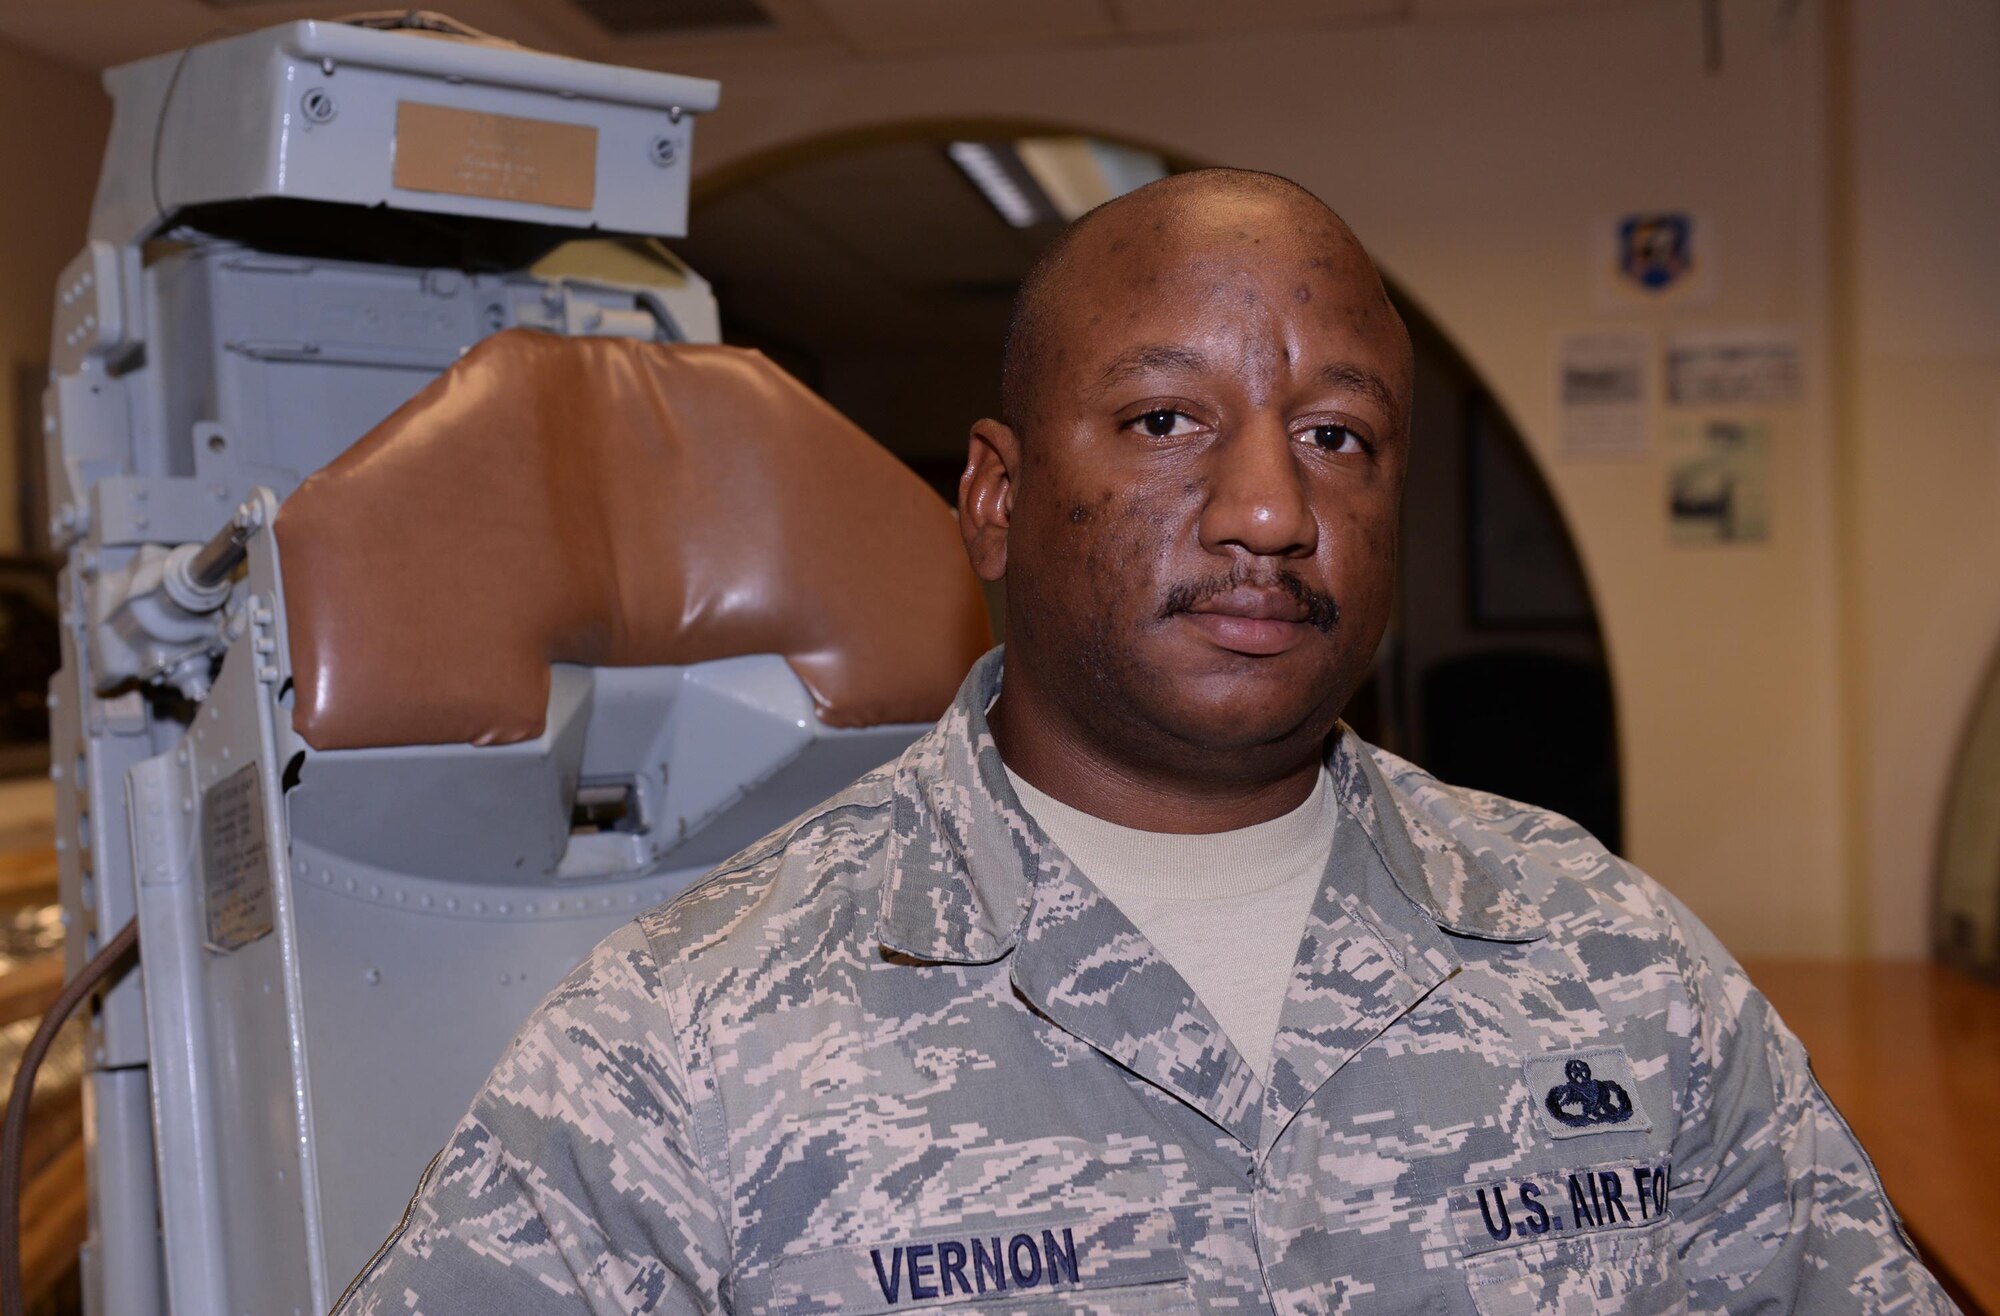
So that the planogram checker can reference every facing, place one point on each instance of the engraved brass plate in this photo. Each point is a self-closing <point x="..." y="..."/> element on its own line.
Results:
<point x="496" y="156"/>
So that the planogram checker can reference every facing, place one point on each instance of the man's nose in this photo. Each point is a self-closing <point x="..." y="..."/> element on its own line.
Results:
<point x="1257" y="495"/>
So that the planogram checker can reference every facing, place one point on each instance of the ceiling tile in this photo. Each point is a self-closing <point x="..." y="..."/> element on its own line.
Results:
<point x="1502" y="8"/>
<point x="97" y="34"/>
<point x="1168" y="16"/>
<point x="898" y="26"/>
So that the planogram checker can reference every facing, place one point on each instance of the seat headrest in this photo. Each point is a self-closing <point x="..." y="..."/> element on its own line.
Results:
<point x="613" y="503"/>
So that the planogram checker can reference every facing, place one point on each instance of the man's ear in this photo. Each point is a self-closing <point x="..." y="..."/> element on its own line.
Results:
<point x="986" y="496"/>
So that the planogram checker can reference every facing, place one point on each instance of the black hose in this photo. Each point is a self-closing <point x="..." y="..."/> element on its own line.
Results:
<point x="14" y="1132"/>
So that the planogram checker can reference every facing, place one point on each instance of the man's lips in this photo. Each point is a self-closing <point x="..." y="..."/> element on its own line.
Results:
<point x="1251" y="603"/>
<point x="1258" y="622"/>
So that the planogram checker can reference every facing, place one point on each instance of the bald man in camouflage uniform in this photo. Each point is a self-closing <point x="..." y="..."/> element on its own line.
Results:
<point x="903" y="1055"/>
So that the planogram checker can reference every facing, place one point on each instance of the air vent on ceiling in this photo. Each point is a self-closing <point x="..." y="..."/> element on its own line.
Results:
<point x="631" y="18"/>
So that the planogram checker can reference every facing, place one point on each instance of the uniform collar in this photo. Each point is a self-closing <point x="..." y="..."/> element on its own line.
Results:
<point x="965" y="859"/>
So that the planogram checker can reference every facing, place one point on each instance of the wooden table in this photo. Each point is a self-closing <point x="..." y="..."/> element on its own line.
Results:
<point x="1911" y="1054"/>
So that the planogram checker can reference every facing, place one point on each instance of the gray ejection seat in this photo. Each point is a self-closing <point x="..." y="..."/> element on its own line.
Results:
<point x="425" y="616"/>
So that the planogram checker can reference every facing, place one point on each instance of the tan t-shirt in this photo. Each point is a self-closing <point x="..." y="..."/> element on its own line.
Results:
<point x="1226" y="909"/>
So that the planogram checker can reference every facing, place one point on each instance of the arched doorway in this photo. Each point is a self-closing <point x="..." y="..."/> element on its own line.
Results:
<point x="879" y="270"/>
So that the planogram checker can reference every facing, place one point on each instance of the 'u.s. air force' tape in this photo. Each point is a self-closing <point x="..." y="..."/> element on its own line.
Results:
<point x="1560" y="1204"/>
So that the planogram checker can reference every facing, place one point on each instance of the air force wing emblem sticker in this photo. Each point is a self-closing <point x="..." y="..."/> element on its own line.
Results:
<point x="1656" y="252"/>
<point x="1589" y="1091"/>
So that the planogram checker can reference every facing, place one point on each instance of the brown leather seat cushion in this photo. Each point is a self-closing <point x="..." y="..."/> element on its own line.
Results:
<point x="615" y="503"/>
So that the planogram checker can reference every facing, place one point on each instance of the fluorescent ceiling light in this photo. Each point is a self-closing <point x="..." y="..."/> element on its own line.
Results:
<point x="1042" y="180"/>
<point x="1081" y="173"/>
<point x="981" y="163"/>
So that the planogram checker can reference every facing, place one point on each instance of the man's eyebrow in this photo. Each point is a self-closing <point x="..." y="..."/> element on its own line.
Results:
<point x="1153" y="356"/>
<point x="1365" y="382"/>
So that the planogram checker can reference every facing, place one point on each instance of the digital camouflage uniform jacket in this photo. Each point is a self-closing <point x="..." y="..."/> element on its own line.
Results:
<point x="902" y="1056"/>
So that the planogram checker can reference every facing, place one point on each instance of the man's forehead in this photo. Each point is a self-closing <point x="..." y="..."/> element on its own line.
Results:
<point x="1140" y="275"/>
<point x="1168" y="232"/>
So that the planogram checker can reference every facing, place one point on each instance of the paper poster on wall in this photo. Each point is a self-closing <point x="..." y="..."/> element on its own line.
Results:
<point x="1719" y="480"/>
<point x="1653" y="258"/>
<point x="1734" y="367"/>
<point x="1603" y="388"/>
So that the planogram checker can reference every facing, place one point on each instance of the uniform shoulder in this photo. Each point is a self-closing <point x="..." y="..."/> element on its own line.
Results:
<point x="826" y="858"/>
<point x="1550" y="861"/>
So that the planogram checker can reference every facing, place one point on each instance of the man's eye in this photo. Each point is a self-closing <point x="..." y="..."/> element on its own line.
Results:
<point x="1165" y="423"/>
<point x="1338" y="438"/>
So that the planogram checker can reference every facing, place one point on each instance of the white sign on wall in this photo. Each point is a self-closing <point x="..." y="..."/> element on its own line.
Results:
<point x="1734" y="367"/>
<point x="1604" y="390"/>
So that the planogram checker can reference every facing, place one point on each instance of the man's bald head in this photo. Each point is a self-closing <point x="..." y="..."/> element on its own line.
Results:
<point x="1143" y="219"/>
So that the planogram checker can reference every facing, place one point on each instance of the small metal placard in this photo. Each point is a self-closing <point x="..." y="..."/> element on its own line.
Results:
<point x="235" y="860"/>
<point x="497" y="156"/>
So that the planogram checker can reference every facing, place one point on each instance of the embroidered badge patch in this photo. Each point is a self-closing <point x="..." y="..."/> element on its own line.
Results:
<point x="1588" y="1091"/>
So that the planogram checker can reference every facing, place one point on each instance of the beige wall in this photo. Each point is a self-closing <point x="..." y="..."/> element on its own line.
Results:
<point x="1474" y="156"/>
<point x="52" y="126"/>
<point x="1921" y="197"/>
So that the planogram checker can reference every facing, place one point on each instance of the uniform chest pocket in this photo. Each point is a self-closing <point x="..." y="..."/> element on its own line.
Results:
<point x="1633" y="1272"/>
<point x="1590" y="1239"/>
<point x="1103" y="1265"/>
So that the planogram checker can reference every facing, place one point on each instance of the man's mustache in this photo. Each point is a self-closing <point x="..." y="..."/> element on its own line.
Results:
<point x="1321" y="609"/>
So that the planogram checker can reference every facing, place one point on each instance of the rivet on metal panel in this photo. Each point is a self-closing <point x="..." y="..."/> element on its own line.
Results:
<point x="372" y="977"/>
<point x="318" y="105"/>
<point x="664" y="151"/>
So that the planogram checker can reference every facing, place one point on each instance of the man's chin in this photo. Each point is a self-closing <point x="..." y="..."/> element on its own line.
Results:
<point x="1234" y="712"/>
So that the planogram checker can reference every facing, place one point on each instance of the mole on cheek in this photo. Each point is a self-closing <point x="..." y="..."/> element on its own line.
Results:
<point x="1302" y="294"/>
<point x="1079" y="514"/>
